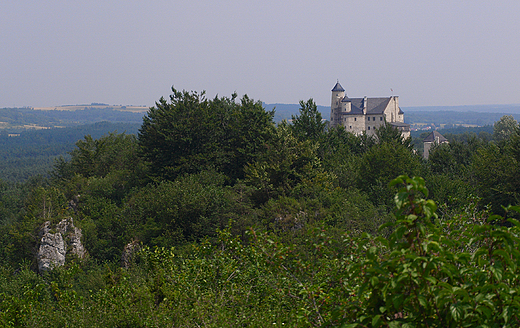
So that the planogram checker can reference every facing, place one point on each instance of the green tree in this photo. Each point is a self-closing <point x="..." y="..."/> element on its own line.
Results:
<point x="503" y="128"/>
<point x="389" y="133"/>
<point x="458" y="273"/>
<point x="497" y="175"/>
<point x="176" y="212"/>
<point x="339" y="152"/>
<point x="287" y="162"/>
<point x="190" y="134"/>
<point x="308" y="124"/>
<point x="99" y="157"/>
<point x="380" y="164"/>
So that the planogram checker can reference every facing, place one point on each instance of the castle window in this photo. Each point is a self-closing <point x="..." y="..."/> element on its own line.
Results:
<point x="368" y="118"/>
<point x="369" y="128"/>
<point x="373" y="119"/>
<point x="381" y="118"/>
<point x="355" y="119"/>
<point x="351" y="126"/>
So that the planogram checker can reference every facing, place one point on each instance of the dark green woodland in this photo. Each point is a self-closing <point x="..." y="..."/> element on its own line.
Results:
<point x="235" y="221"/>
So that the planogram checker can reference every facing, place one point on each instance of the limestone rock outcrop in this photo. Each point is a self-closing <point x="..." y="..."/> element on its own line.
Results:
<point x="129" y="252"/>
<point x="56" y="243"/>
<point x="73" y="237"/>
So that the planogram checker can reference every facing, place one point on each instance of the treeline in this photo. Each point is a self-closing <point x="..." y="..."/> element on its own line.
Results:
<point x="241" y="222"/>
<point x="34" y="152"/>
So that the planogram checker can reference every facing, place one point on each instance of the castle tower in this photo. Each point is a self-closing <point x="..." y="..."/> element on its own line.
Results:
<point x="338" y="93"/>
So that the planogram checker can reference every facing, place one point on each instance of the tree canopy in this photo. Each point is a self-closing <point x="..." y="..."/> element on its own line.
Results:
<point x="308" y="125"/>
<point x="190" y="134"/>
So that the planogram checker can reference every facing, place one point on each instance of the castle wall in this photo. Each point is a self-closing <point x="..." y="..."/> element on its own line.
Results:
<point x="392" y="111"/>
<point x="373" y="122"/>
<point x="354" y="123"/>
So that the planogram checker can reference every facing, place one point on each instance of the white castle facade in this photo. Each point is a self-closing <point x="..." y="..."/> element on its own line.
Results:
<point x="365" y="115"/>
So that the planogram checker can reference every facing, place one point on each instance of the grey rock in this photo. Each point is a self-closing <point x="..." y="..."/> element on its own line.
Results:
<point x="55" y="244"/>
<point x="52" y="252"/>
<point x="73" y="236"/>
<point x="128" y="254"/>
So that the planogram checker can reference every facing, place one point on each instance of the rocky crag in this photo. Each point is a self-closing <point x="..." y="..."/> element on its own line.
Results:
<point x="56" y="242"/>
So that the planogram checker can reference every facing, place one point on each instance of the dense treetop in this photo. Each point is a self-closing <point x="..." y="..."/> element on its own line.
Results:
<point x="192" y="134"/>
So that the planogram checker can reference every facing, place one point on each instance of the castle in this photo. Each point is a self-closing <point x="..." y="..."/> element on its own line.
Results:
<point x="365" y="115"/>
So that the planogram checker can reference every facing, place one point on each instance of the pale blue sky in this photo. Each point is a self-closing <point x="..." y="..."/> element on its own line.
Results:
<point x="442" y="52"/>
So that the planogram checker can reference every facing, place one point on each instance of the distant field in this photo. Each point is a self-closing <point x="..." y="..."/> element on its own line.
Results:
<point x="133" y="109"/>
<point x="16" y="120"/>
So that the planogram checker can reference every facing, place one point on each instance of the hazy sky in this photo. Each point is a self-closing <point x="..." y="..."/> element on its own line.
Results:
<point x="435" y="52"/>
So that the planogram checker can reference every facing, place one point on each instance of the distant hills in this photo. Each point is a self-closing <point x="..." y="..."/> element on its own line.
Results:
<point x="14" y="120"/>
<point x="509" y="109"/>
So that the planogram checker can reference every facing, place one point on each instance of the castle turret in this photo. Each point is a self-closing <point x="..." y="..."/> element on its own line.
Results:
<point x="338" y="93"/>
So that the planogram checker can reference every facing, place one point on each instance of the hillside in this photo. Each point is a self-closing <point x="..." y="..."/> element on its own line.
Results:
<point x="15" y="120"/>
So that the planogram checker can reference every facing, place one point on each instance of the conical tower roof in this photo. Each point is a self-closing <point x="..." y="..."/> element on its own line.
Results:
<point x="338" y="87"/>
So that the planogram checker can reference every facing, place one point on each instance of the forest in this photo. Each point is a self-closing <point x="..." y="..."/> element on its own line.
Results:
<point x="212" y="215"/>
<point x="33" y="152"/>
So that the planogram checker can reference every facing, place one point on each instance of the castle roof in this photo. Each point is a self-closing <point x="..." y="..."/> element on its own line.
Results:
<point x="435" y="137"/>
<point x="374" y="105"/>
<point x="338" y="87"/>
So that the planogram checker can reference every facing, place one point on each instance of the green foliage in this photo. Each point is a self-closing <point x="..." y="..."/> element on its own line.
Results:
<point x="20" y="239"/>
<point x="497" y="173"/>
<point x="380" y="164"/>
<point x="389" y="134"/>
<point x="504" y="128"/>
<point x="11" y="201"/>
<point x="33" y="152"/>
<point x="286" y="163"/>
<point x="456" y="272"/>
<point x="339" y="151"/>
<point x="453" y="193"/>
<point x="100" y="157"/>
<point x="308" y="125"/>
<point x="437" y="276"/>
<point x="185" y="210"/>
<point x="192" y="134"/>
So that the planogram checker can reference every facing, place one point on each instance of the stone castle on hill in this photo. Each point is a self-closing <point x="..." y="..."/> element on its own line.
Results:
<point x="365" y="115"/>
